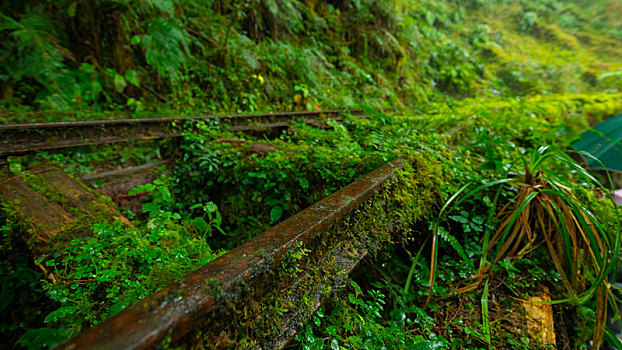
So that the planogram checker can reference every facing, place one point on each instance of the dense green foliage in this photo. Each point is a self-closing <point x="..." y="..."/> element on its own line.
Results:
<point x="76" y="57"/>
<point x="210" y="54"/>
<point x="478" y="85"/>
<point x="97" y="275"/>
<point x="487" y="148"/>
<point x="305" y="165"/>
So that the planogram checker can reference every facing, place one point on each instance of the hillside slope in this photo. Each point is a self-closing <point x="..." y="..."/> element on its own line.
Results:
<point x="74" y="59"/>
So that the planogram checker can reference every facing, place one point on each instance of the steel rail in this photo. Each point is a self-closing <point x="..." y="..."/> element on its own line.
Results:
<point x="23" y="138"/>
<point x="206" y="300"/>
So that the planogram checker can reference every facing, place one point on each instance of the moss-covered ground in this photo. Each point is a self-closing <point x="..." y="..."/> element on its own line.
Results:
<point x="474" y="86"/>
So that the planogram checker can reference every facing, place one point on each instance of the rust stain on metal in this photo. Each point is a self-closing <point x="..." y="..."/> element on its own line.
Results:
<point x="177" y="309"/>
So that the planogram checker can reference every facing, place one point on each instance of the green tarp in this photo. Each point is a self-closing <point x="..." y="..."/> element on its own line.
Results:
<point x="603" y="141"/>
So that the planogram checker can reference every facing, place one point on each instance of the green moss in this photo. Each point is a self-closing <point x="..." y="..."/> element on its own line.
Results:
<point x="215" y="286"/>
<point x="279" y="297"/>
<point x="431" y="172"/>
<point x="42" y="186"/>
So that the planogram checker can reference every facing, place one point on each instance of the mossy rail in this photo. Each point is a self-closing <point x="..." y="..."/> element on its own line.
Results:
<point x="272" y="281"/>
<point x="22" y="138"/>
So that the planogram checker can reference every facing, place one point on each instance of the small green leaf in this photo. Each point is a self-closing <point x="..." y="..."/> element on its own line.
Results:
<point x="119" y="83"/>
<point x="356" y="287"/>
<point x="210" y="207"/>
<point x="276" y="213"/>
<point x="15" y="166"/>
<point x="164" y="5"/>
<point x="87" y="68"/>
<point x="142" y="188"/>
<point x="299" y="336"/>
<point x="135" y="40"/>
<point x="304" y="183"/>
<point x="309" y="334"/>
<point x="428" y="345"/>
<point x="430" y="17"/>
<point x="132" y="77"/>
<point x="459" y="218"/>
<point x="146" y="41"/>
<point x="200" y="224"/>
<point x="166" y="193"/>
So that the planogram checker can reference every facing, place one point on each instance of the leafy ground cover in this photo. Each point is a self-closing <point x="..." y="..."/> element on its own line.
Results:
<point x="307" y="164"/>
<point x="475" y="299"/>
<point x="473" y="141"/>
<point x="478" y="85"/>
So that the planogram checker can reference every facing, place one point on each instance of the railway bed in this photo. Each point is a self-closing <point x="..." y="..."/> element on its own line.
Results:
<point x="17" y="139"/>
<point x="234" y="294"/>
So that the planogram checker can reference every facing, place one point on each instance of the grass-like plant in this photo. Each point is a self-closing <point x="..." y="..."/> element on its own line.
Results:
<point x="547" y="212"/>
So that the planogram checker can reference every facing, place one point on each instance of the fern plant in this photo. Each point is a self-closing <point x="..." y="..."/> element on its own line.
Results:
<point x="166" y="48"/>
<point x="32" y="50"/>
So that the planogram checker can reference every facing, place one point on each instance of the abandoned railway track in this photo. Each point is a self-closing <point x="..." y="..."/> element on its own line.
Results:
<point x="23" y="138"/>
<point x="263" y="291"/>
<point x="236" y="293"/>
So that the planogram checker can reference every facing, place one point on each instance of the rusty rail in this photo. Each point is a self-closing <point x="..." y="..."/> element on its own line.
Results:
<point x="21" y="138"/>
<point x="218" y="298"/>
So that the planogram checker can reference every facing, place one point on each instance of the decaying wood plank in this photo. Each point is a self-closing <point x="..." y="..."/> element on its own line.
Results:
<point x="44" y="219"/>
<point x="53" y="206"/>
<point x="540" y="322"/>
<point x="79" y="196"/>
<point x="124" y="171"/>
<point x="116" y="184"/>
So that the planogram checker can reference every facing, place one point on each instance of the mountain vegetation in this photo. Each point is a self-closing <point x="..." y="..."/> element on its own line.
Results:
<point x="70" y="59"/>
<point x="487" y="94"/>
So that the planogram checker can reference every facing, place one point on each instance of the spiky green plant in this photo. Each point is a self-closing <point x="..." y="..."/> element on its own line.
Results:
<point x="546" y="211"/>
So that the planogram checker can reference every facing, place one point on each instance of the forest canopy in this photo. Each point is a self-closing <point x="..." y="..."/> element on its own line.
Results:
<point x="228" y="56"/>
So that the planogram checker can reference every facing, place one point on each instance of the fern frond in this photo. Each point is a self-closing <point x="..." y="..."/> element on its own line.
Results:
<point x="166" y="45"/>
<point x="34" y="50"/>
<point x="453" y="242"/>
